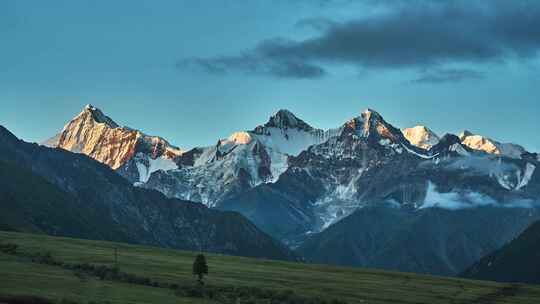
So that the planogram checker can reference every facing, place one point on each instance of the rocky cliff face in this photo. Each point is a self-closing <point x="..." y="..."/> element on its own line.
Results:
<point x="98" y="136"/>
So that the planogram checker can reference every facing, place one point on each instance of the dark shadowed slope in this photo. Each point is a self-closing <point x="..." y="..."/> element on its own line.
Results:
<point x="517" y="261"/>
<point x="430" y="240"/>
<point x="30" y="203"/>
<point x="62" y="193"/>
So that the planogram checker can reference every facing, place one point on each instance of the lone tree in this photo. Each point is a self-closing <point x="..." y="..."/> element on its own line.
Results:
<point x="200" y="268"/>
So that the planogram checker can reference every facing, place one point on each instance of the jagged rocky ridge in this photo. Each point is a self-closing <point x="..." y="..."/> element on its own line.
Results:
<point x="371" y="161"/>
<point x="98" y="136"/>
<point x="236" y="164"/>
<point x="61" y="193"/>
<point x="223" y="174"/>
<point x="204" y="174"/>
<point x="240" y="162"/>
<point x="361" y="197"/>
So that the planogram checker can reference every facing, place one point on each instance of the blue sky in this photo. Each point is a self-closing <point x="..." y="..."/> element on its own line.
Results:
<point x="196" y="71"/>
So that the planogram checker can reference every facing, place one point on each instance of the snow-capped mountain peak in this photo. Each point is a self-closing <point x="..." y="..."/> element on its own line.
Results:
<point x="374" y="124"/>
<point x="360" y="125"/>
<point x="372" y="130"/>
<point x="240" y="138"/>
<point x="286" y="133"/>
<point x="97" y="116"/>
<point x="368" y="113"/>
<point x="285" y="119"/>
<point x="371" y="125"/>
<point x="240" y="162"/>
<point x="488" y="145"/>
<point x="421" y="137"/>
<point x="132" y="152"/>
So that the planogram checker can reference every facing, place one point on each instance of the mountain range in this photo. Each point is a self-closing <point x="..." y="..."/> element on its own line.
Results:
<point x="365" y="193"/>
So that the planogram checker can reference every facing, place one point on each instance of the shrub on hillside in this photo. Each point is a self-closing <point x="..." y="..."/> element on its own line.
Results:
<point x="45" y="258"/>
<point x="248" y="295"/>
<point x="24" y="300"/>
<point x="8" y="248"/>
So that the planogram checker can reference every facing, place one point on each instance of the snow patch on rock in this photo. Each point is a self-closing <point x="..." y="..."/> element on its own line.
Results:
<point x="418" y="154"/>
<point x="459" y="149"/>
<point x="147" y="165"/>
<point x="529" y="171"/>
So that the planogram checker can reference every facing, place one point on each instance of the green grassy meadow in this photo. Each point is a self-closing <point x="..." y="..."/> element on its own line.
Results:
<point x="354" y="285"/>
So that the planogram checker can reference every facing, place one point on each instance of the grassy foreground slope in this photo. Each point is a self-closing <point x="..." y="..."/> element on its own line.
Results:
<point x="164" y="265"/>
<point x="20" y="278"/>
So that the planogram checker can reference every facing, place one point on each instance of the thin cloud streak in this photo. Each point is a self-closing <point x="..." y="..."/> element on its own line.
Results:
<point x="436" y="76"/>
